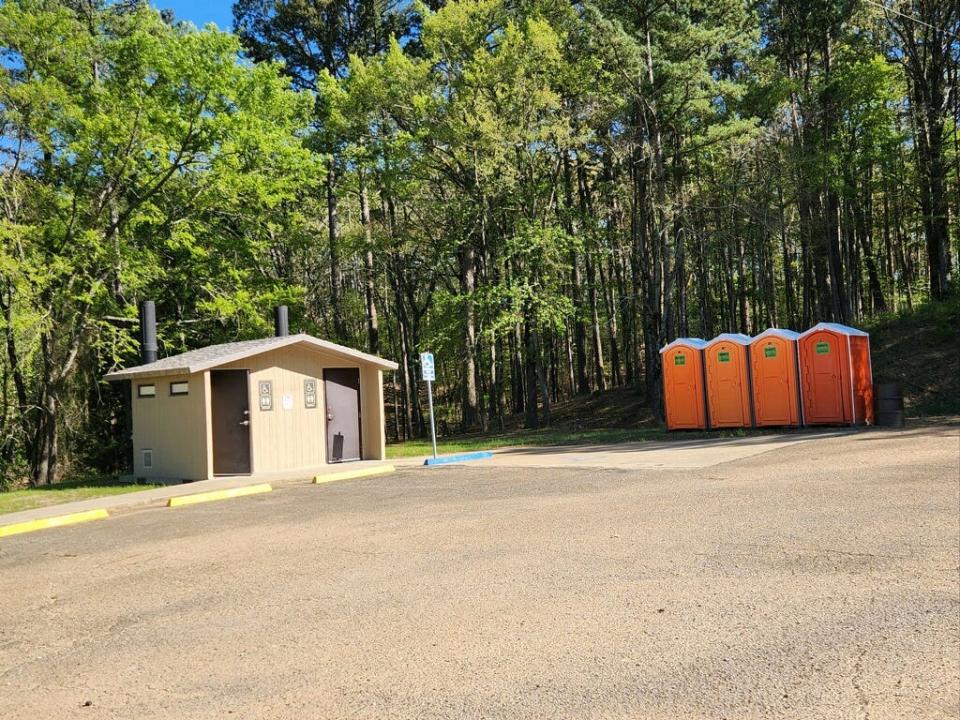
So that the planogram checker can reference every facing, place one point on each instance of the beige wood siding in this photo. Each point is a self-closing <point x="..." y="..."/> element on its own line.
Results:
<point x="295" y="438"/>
<point x="174" y="428"/>
<point x="372" y="417"/>
<point x="178" y="429"/>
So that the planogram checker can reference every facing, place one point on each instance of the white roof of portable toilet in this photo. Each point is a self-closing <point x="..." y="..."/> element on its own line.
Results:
<point x="695" y="342"/>
<point x="777" y="332"/>
<point x="738" y="338"/>
<point x="837" y="328"/>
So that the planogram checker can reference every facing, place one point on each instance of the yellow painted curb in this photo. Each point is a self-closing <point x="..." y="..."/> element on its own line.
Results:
<point x="71" y="519"/>
<point x="218" y="495"/>
<point x="351" y="474"/>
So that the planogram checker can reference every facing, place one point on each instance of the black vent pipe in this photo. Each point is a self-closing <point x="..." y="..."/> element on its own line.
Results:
<point x="281" y="322"/>
<point x="148" y="332"/>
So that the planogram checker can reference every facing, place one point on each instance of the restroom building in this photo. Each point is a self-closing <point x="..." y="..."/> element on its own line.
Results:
<point x="286" y="405"/>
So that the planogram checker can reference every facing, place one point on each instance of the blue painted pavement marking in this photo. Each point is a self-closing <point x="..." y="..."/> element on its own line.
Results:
<point x="462" y="457"/>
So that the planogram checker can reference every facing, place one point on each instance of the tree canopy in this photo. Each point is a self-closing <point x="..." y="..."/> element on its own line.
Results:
<point x="541" y="192"/>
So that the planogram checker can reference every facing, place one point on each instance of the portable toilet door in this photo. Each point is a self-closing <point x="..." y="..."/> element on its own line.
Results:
<point x="836" y="378"/>
<point x="775" y="378"/>
<point x="727" y="361"/>
<point x="682" y="362"/>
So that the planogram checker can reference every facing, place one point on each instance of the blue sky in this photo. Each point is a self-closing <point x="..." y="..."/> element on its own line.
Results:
<point x="200" y="12"/>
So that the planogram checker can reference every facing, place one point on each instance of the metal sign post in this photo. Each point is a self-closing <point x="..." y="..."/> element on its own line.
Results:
<point x="429" y="374"/>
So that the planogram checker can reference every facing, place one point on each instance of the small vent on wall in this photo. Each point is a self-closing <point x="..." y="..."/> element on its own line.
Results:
<point x="147" y="458"/>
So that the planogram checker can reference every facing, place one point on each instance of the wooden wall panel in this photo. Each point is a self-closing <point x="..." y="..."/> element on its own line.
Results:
<point x="178" y="428"/>
<point x="372" y="415"/>
<point x="173" y="427"/>
<point x="295" y="437"/>
<point x="285" y="438"/>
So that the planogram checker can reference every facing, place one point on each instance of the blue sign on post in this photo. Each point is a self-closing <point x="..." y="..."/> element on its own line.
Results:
<point x="427" y="367"/>
<point x="428" y="370"/>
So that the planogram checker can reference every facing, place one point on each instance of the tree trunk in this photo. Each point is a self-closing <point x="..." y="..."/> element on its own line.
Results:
<point x="839" y="300"/>
<point x="373" y="324"/>
<point x="517" y="389"/>
<point x="47" y="457"/>
<point x="553" y="372"/>
<point x="610" y="305"/>
<point x="406" y="380"/>
<point x="468" y="270"/>
<point x="571" y="375"/>
<point x="336" y="273"/>
<point x="741" y="284"/>
<point x="864" y="228"/>
<point x="542" y="376"/>
<point x="532" y="419"/>
<point x="928" y="48"/>
<point x="933" y="201"/>
<point x="601" y="383"/>
<point x="579" y="327"/>
<point x="788" y="280"/>
<point x="496" y="381"/>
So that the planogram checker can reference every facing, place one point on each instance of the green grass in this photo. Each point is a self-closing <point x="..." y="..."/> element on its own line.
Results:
<point x="30" y="498"/>
<point x="542" y="438"/>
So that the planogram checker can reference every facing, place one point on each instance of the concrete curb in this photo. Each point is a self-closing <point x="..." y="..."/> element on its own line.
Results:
<point x="218" y="495"/>
<point x="57" y="521"/>
<point x="351" y="474"/>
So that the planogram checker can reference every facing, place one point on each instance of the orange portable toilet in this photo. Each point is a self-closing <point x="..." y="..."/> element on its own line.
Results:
<point x="836" y="379"/>
<point x="775" y="378"/>
<point x="727" y="362"/>
<point x="682" y="362"/>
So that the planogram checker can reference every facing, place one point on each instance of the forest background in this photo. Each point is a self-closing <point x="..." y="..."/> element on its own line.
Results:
<point x="541" y="192"/>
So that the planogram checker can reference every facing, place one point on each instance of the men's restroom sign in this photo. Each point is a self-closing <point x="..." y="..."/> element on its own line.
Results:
<point x="427" y="367"/>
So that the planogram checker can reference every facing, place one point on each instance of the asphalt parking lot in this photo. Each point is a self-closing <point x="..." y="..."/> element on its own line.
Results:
<point x="813" y="579"/>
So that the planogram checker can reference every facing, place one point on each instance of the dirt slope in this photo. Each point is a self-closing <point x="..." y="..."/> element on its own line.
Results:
<point x="921" y="351"/>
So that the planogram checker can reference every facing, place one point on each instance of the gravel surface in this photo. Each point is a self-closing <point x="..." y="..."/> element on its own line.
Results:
<point x="819" y="579"/>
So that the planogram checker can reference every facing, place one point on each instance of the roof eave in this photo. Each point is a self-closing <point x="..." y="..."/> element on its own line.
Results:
<point x="132" y="373"/>
<point x="145" y="371"/>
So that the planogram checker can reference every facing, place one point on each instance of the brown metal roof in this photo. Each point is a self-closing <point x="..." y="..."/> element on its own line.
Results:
<point x="216" y="355"/>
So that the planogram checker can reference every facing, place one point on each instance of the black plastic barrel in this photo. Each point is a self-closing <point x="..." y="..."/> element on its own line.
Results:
<point x="889" y="399"/>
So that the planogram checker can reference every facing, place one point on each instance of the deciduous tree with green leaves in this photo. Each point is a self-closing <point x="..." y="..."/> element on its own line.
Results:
<point x="138" y="156"/>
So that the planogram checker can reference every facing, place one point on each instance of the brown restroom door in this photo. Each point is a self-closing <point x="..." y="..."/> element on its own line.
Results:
<point x="341" y="388"/>
<point x="230" y="406"/>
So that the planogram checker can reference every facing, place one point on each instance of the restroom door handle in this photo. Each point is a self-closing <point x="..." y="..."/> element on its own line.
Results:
<point x="244" y="422"/>
<point x="329" y="416"/>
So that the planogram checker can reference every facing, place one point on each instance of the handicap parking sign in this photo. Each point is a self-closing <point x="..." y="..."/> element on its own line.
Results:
<point x="427" y="367"/>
